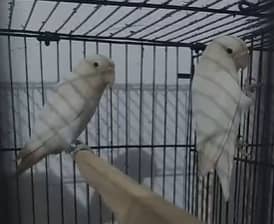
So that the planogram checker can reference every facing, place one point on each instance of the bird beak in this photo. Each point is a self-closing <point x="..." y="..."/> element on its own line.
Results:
<point x="242" y="59"/>
<point x="110" y="75"/>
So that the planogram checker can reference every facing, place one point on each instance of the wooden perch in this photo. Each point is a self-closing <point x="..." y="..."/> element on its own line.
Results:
<point x="131" y="203"/>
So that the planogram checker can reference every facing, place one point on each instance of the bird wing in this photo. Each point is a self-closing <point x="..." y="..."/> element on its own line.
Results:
<point x="69" y="101"/>
<point x="215" y="100"/>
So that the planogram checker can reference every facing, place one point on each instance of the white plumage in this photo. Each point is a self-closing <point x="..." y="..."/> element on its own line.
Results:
<point x="68" y="110"/>
<point x="217" y="103"/>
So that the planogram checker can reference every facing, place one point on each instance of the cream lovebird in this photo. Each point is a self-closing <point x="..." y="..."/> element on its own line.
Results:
<point x="68" y="110"/>
<point x="217" y="103"/>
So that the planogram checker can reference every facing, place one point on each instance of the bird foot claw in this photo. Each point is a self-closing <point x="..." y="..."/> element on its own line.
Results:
<point x="242" y="147"/>
<point x="251" y="87"/>
<point x="73" y="146"/>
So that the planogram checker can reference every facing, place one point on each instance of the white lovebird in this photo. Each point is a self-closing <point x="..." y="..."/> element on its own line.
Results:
<point x="217" y="101"/>
<point x="68" y="110"/>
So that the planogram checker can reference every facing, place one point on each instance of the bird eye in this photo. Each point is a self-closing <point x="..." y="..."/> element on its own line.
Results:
<point x="95" y="64"/>
<point x="229" y="50"/>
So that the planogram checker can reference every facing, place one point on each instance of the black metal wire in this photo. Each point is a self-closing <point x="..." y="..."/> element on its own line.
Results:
<point x="266" y="30"/>
<point x="161" y="19"/>
<point x="74" y="11"/>
<point x="190" y="24"/>
<point x="196" y="211"/>
<point x="180" y="19"/>
<point x="255" y="134"/>
<point x="188" y="151"/>
<point x="127" y="106"/>
<point x="73" y="162"/>
<point x="117" y="117"/>
<point x="207" y="217"/>
<point x="165" y="6"/>
<point x="117" y="21"/>
<point x="226" y="212"/>
<point x="213" y="202"/>
<point x="60" y="155"/>
<point x="43" y="103"/>
<point x="208" y="30"/>
<point x="247" y="119"/>
<point x="111" y="123"/>
<point x="108" y="16"/>
<point x="153" y="117"/>
<point x="11" y="87"/>
<point x="165" y="122"/>
<point x="176" y="129"/>
<point x="30" y="14"/>
<point x="237" y="175"/>
<point x="49" y="16"/>
<point x="186" y="160"/>
<point x="138" y="20"/>
<point x="140" y="115"/>
<point x="120" y="146"/>
<point x="99" y="144"/>
<point x="85" y="20"/>
<point x="202" y="198"/>
<point x="118" y="40"/>
<point x="211" y="23"/>
<point x="111" y="111"/>
<point x="265" y="155"/>
<point x="11" y="11"/>
<point x="87" y="142"/>
<point x="192" y="153"/>
<point x="27" y="84"/>
<point x="231" y="31"/>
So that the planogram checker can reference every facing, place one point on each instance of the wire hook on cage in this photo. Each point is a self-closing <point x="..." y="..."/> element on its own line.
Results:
<point x="246" y="6"/>
<point x="197" y="47"/>
<point x="48" y="37"/>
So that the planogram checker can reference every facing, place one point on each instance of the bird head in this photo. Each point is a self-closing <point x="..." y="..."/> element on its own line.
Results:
<point x="234" y="48"/>
<point x="98" y="66"/>
<point x="103" y="66"/>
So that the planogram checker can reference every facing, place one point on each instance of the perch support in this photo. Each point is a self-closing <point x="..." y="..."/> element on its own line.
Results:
<point x="131" y="203"/>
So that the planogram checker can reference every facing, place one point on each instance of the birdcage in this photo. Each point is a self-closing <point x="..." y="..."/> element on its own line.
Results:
<point x="143" y="124"/>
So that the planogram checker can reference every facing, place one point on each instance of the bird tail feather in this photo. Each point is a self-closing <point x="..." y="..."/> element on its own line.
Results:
<point x="28" y="158"/>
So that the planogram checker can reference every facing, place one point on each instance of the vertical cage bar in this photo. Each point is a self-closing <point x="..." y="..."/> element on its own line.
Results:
<point x="99" y="143"/>
<point x="207" y="205"/>
<point x="43" y="103"/>
<point x="186" y="160"/>
<point x="176" y="128"/>
<point x="141" y="116"/>
<point x="199" y="181"/>
<point x="165" y="125"/>
<point x="28" y="96"/>
<point x="191" y="152"/>
<point x="189" y="141"/>
<point x="265" y="154"/>
<point x="14" y="125"/>
<point x="213" y="202"/>
<point x="60" y="155"/>
<point x="111" y="122"/>
<point x="27" y="85"/>
<point x="153" y="117"/>
<point x="256" y="133"/>
<point x="111" y="110"/>
<point x="248" y="119"/>
<point x="220" y="204"/>
<point x="196" y="212"/>
<point x="73" y="162"/>
<point x="87" y="142"/>
<point x="127" y="105"/>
